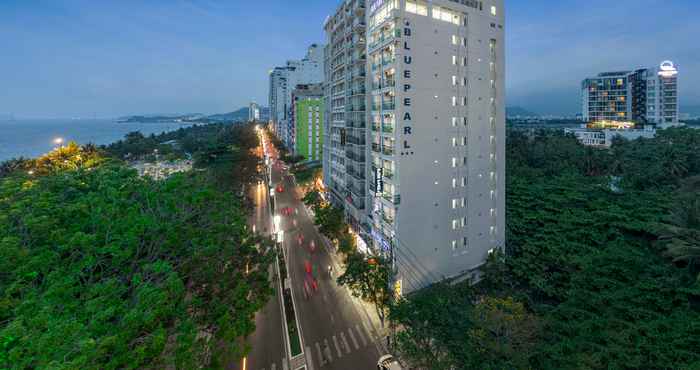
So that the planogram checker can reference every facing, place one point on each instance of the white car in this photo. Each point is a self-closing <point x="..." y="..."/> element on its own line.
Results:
<point x="387" y="362"/>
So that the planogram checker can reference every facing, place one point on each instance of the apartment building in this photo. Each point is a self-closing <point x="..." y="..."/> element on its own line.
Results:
<point x="307" y="115"/>
<point x="430" y="146"/>
<point x="277" y="93"/>
<point x="253" y="112"/>
<point x="345" y="157"/>
<point x="647" y="96"/>
<point x="283" y="80"/>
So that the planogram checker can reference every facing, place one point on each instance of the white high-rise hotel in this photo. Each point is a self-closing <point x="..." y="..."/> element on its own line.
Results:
<point x="436" y="153"/>
<point x="283" y="81"/>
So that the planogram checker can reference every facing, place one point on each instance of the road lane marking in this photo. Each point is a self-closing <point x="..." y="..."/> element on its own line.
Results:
<point x="286" y="367"/>
<point x="274" y="367"/>
<point x="354" y="341"/>
<point x="337" y="347"/>
<point x="345" y="342"/>
<point x="320" y="355"/>
<point x="362" y="335"/>
<point x="327" y="350"/>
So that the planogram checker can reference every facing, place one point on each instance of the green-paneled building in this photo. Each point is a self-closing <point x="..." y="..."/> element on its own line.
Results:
<point x="308" y="121"/>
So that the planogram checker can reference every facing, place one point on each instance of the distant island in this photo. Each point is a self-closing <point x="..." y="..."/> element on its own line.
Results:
<point x="237" y="116"/>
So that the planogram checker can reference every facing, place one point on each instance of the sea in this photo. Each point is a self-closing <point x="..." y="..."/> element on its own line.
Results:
<point x="34" y="137"/>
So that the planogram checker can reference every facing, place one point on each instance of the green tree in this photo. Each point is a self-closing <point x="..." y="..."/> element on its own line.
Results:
<point x="313" y="199"/>
<point x="102" y="269"/>
<point x="681" y="231"/>
<point x="330" y="221"/>
<point x="368" y="278"/>
<point x="504" y="334"/>
<point x="434" y="326"/>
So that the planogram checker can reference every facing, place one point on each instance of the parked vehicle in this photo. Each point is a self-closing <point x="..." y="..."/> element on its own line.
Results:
<point x="388" y="362"/>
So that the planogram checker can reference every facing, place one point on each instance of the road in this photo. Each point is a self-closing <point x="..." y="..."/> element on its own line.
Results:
<point x="267" y="342"/>
<point x="334" y="333"/>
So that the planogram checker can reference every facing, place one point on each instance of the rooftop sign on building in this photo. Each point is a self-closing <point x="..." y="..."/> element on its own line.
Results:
<point x="667" y="69"/>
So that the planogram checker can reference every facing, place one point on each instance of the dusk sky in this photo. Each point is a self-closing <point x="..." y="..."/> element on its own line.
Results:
<point x="63" y="58"/>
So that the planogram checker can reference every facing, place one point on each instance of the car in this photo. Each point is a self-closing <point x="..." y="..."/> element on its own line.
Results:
<point x="388" y="362"/>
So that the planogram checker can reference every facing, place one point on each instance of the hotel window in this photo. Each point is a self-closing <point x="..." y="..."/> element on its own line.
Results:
<point x="454" y="60"/>
<point x="454" y="121"/>
<point x="454" y="141"/>
<point x="464" y="182"/>
<point x="494" y="11"/>
<point x="464" y="222"/>
<point x="455" y="40"/>
<point x="455" y="224"/>
<point x="417" y="7"/>
<point x="454" y="80"/>
<point x="464" y="242"/>
<point x="455" y="203"/>
<point x="454" y="101"/>
<point x="464" y="61"/>
<point x="454" y="162"/>
<point x="452" y="17"/>
<point x="454" y="183"/>
<point x="454" y="245"/>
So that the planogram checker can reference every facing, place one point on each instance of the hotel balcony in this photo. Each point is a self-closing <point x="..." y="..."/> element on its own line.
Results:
<point x="356" y="174"/>
<point x="384" y="38"/>
<point x="356" y="108"/>
<point x="389" y="220"/>
<point x="356" y="157"/>
<point x="357" y="191"/>
<point x="356" y="140"/>
<point x="358" y="123"/>
<point x="356" y="91"/>
<point x="383" y="84"/>
<point x="391" y="198"/>
<point x="357" y="202"/>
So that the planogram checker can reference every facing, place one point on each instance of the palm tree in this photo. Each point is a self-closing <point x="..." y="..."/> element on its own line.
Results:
<point x="682" y="237"/>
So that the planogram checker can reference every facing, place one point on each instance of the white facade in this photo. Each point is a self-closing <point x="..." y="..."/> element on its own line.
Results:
<point x="278" y="92"/>
<point x="345" y="157"/>
<point x="253" y="112"/>
<point x="414" y="146"/>
<point x="283" y="80"/>
<point x="437" y="139"/>
<point x="604" y="137"/>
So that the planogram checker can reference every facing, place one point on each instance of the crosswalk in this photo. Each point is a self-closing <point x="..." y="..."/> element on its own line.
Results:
<point x="328" y="350"/>
<point x="341" y="344"/>
<point x="284" y="366"/>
